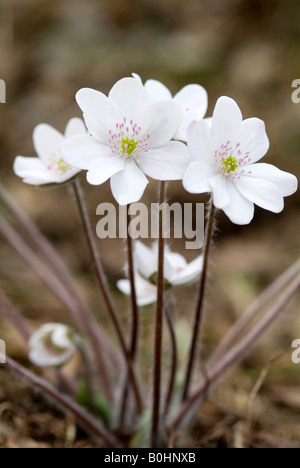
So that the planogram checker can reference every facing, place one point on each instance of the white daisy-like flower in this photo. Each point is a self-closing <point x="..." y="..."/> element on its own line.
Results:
<point x="146" y="292"/>
<point x="130" y="139"/>
<point x="49" y="167"/>
<point x="177" y="272"/>
<point x="51" y="345"/>
<point x="192" y="99"/>
<point x="225" y="154"/>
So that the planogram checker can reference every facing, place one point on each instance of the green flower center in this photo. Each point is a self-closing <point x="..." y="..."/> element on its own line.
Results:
<point x="129" y="145"/>
<point x="63" y="166"/>
<point x="229" y="164"/>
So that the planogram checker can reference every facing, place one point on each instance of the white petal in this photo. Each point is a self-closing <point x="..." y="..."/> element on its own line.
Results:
<point x="67" y="175"/>
<point x="103" y="169"/>
<point x="98" y="130"/>
<point x="33" y="170"/>
<point x="124" y="287"/>
<point x="219" y="185"/>
<point x="176" y="260"/>
<point x="240" y="210"/>
<point x="60" y="338"/>
<point x="188" y="118"/>
<point x="253" y="139"/>
<point x="95" y="104"/>
<point x="287" y="183"/>
<point x="47" y="141"/>
<point x="190" y="273"/>
<point x="174" y="263"/>
<point x="145" y="291"/>
<point x="128" y="186"/>
<point x="129" y="98"/>
<point x="166" y="163"/>
<point x="227" y="121"/>
<point x="44" y="358"/>
<point x="157" y="91"/>
<point x="137" y="77"/>
<point x="193" y="98"/>
<point x="261" y="192"/>
<point x="75" y="127"/>
<point x="81" y="151"/>
<point x="161" y="121"/>
<point x="199" y="142"/>
<point x="196" y="178"/>
<point x="146" y="263"/>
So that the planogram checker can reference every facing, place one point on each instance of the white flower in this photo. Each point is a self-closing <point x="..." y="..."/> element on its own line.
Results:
<point x="192" y="99"/>
<point x="49" y="167"/>
<point x="176" y="269"/>
<point x="51" y="345"/>
<point x="146" y="292"/>
<point x="225" y="153"/>
<point x="177" y="272"/>
<point x="130" y="137"/>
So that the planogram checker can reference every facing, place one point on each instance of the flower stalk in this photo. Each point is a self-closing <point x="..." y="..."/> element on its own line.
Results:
<point x="156" y="407"/>
<point x="53" y="283"/>
<point x="198" y="319"/>
<point x="173" y="358"/>
<point x="102" y="283"/>
<point x="134" y="319"/>
<point x="82" y="314"/>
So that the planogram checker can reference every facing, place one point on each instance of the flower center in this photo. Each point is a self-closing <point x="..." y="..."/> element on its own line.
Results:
<point x="58" y="165"/>
<point x="129" y="146"/>
<point x="230" y="164"/>
<point x="127" y="141"/>
<point x="230" y="161"/>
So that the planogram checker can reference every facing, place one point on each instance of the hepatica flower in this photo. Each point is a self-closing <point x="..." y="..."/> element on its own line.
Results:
<point x="49" y="167"/>
<point x="177" y="272"/>
<point x="51" y="345"/>
<point x="192" y="99"/>
<point x="225" y="154"/>
<point x="146" y="292"/>
<point x="130" y="139"/>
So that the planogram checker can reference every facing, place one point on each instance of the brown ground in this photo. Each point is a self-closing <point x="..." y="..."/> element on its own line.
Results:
<point x="248" y="50"/>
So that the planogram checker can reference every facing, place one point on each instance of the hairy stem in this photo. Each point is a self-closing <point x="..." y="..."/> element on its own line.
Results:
<point x="54" y="285"/>
<point x="42" y="245"/>
<point x="101" y="279"/>
<point x="198" y="319"/>
<point x="174" y="360"/>
<point x="134" y="320"/>
<point x="155" y="428"/>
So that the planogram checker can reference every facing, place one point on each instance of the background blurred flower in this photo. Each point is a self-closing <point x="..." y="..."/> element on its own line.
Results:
<point x="51" y="345"/>
<point x="146" y="292"/>
<point x="192" y="99"/>
<point x="177" y="272"/>
<point x="49" y="167"/>
<point x="225" y="152"/>
<point x="130" y="138"/>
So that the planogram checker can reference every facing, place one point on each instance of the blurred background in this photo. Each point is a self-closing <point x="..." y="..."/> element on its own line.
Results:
<point x="248" y="50"/>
